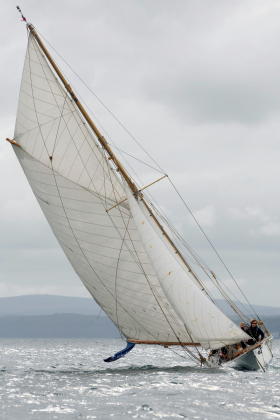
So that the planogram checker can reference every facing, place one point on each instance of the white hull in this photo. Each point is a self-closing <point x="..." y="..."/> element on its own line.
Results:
<point x="258" y="358"/>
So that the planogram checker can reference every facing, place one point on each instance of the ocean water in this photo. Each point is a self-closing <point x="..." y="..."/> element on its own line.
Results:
<point x="67" y="379"/>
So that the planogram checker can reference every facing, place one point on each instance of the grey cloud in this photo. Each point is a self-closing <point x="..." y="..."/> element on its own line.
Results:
<point x="214" y="101"/>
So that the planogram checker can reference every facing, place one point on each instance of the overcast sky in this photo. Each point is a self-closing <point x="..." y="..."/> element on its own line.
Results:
<point x="197" y="83"/>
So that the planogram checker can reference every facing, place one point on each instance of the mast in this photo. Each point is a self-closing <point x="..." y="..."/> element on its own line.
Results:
<point x="136" y="192"/>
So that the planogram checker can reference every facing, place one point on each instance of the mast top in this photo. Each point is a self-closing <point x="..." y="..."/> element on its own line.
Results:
<point x="23" y="18"/>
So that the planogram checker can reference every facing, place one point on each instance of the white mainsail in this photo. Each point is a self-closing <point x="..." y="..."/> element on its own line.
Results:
<point x="203" y="319"/>
<point x="74" y="188"/>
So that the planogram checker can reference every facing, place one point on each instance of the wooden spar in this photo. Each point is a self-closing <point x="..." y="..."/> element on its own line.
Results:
<point x="104" y="144"/>
<point x="139" y="191"/>
<point x="153" y="183"/>
<point x="117" y="204"/>
<point x="162" y="343"/>
<point x="13" y="142"/>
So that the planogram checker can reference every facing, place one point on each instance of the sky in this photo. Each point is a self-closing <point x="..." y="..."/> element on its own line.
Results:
<point x="197" y="84"/>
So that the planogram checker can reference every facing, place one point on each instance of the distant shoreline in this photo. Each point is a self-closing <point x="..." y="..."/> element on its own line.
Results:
<point x="75" y="326"/>
<point x="57" y="326"/>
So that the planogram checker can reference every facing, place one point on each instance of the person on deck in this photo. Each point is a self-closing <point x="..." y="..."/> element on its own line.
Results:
<point x="255" y="332"/>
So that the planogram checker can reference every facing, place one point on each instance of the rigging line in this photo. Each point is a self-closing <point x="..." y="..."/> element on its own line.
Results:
<point x="102" y="104"/>
<point x="212" y="246"/>
<point x="122" y="151"/>
<point x="180" y="355"/>
<point x="174" y="232"/>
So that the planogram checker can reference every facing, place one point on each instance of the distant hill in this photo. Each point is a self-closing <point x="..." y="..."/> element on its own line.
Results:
<point x="53" y="304"/>
<point x="75" y="326"/>
<point x="50" y="316"/>
<point x="57" y="326"/>
<point x="47" y="305"/>
<point x="259" y="309"/>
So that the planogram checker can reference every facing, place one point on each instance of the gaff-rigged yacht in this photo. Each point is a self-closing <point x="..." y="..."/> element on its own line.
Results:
<point x="128" y="255"/>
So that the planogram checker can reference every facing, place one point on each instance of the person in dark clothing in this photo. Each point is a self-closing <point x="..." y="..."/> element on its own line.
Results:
<point x="223" y="355"/>
<point x="255" y="332"/>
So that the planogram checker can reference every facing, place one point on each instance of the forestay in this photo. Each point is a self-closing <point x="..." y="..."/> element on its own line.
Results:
<point x="203" y="318"/>
<point x="74" y="188"/>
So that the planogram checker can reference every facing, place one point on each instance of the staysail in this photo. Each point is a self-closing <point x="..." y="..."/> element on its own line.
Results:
<point x="203" y="319"/>
<point x="75" y="184"/>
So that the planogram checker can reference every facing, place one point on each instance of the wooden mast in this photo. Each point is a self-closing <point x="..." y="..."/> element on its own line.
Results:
<point x="105" y="145"/>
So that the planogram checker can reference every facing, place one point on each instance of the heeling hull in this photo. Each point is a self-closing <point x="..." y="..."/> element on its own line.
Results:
<point x="110" y="268"/>
<point x="259" y="358"/>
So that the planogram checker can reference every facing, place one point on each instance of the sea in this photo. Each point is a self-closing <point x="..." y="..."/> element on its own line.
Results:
<point x="68" y="379"/>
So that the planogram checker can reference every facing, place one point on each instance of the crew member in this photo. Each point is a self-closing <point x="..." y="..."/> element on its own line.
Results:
<point x="255" y="332"/>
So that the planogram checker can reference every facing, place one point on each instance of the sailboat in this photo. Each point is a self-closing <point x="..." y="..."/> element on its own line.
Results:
<point x="126" y="253"/>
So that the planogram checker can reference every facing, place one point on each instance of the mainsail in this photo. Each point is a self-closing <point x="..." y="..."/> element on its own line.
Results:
<point x="115" y="247"/>
<point x="75" y="184"/>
